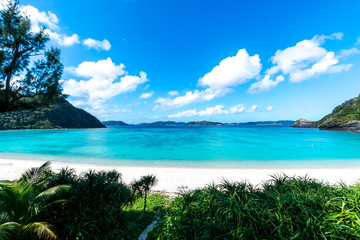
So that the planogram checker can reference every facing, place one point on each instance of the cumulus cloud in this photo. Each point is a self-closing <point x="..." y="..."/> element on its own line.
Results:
<point x="307" y="59"/>
<point x="237" y="109"/>
<point x="266" y="84"/>
<point x="105" y="80"/>
<point x="146" y="95"/>
<point x="232" y="71"/>
<point x="188" y="98"/>
<point x="62" y="39"/>
<point x="326" y="65"/>
<point x="100" y="69"/>
<point x="38" y="18"/>
<point x="50" y="21"/>
<point x="98" y="45"/>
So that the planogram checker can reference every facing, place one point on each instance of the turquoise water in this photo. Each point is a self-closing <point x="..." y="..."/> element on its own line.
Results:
<point x="213" y="146"/>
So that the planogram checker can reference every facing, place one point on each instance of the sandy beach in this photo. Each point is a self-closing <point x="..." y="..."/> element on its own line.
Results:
<point x="170" y="178"/>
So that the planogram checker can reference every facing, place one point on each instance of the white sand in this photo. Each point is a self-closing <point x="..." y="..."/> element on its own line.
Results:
<point x="170" y="178"/>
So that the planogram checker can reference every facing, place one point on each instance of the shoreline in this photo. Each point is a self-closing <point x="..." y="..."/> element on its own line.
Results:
<point x="171" y="178"/>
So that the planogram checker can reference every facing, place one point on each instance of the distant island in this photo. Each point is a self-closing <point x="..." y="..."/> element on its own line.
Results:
<point x="197" y="123"/>
<point x="345" y="117"/>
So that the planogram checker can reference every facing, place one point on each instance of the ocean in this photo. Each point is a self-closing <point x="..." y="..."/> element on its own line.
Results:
<point x="188" y="146"/>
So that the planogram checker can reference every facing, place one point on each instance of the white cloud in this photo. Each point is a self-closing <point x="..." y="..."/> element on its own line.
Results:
<point x="307" y="59"/>
<point x="49" y="20"/>
<point x="173" y="93"/>
<point x="217" y="110"/>
<point x="266" y="84"/>
<point x="237" y="109"/>
<point x="104" y="82"/>
<point x="188" y="98"/>
<point x="98" y="45"/>
<point x="146" y="95"/>
<point x="252" y="109"/>
<point x="100" y="69"/>
<point x="326" y="65"/>
<point x="232" y="71"/>
<point x="62" y="39"/>
<point x="349" y="52"/>
<point x="269" y="108"/>
<point x="38" y="18"/>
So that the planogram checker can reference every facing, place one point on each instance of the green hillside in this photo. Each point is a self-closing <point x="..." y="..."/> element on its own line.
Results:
<point x="54" y="116"/>
<point x="346" y="113"/>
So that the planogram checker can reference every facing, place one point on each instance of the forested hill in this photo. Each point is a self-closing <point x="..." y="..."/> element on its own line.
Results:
<point x="345" y="117"/>
<point x="56" y="115"/>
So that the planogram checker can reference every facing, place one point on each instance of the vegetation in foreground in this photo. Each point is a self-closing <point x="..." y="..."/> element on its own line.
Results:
<point x="282" y="208"/>
<point x="43" y="204"/>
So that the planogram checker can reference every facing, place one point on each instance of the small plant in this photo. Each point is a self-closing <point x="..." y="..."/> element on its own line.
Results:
<point x="143" y="186"/>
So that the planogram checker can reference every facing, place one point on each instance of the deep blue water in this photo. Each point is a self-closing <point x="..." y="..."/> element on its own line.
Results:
<point x="197" y="146"/>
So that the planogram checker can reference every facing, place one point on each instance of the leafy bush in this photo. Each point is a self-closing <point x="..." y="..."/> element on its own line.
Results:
<point x="95" y="206"/>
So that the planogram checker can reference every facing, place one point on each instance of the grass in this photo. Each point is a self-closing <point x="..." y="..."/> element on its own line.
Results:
<point x="155" y="207"/>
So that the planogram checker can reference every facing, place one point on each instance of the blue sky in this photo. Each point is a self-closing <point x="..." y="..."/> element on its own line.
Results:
<point x="229" y="61"/>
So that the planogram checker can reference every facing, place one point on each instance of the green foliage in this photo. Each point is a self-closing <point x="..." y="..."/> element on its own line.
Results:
<point x="282" y="208"/>
<point x="142" y="187"/>
<point x="56" y="115"/>
<point x="22" y="87"/>
<point x="342" y="114"/>
<point x="23" y="200"/>
<point x="43" y="204"/>
<point x="94" y="209"/>
<point x="156" y="207"/>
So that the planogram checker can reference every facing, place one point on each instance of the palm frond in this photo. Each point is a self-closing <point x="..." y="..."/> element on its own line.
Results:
<point x="8" y="229"/>
<point x="33" y="175"/>
<point x="54" y="191"/>
<point x="40" y="229"/>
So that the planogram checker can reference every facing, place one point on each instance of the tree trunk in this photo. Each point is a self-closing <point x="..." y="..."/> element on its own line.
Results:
<point x="7" y="92"/>
<point x="144" y="206"/>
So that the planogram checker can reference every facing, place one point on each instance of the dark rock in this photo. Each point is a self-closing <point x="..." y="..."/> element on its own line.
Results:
<point x="303" y="123"/>
<point x="352" y="126"/>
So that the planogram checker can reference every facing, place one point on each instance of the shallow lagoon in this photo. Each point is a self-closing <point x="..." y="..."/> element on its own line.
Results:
<point x="188" y="146"/>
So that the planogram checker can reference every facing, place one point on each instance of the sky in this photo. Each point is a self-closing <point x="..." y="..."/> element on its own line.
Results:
<point x="229" y="61"/>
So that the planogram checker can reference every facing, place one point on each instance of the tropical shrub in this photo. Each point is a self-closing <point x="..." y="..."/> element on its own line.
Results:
<point x="281" y="208"/>
<point x="22" y="201"/>
<point x="95" y="206"/>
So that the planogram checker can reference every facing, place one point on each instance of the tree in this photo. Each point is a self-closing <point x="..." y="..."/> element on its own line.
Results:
<point x="143" y="186"/>
<point x="22" y="200"/>
<point x="19" y="45"/>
